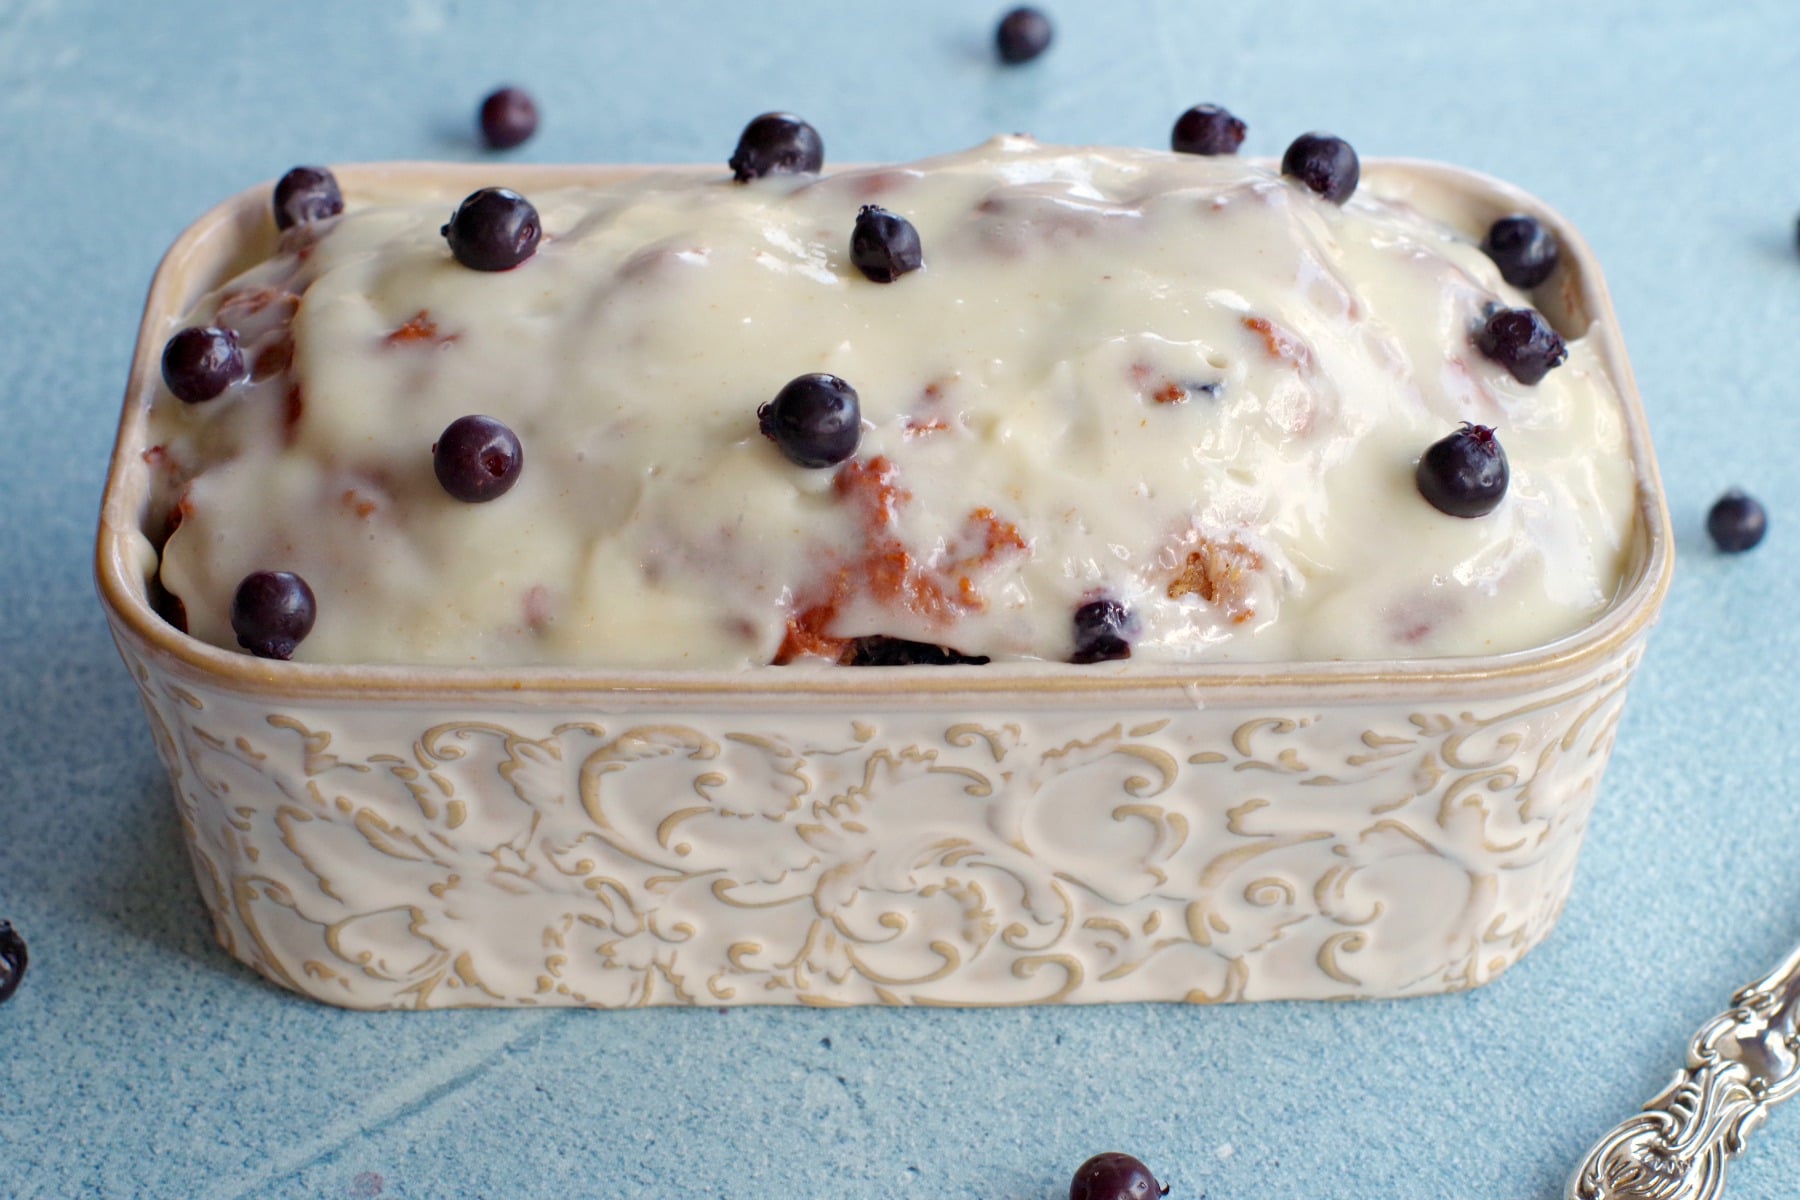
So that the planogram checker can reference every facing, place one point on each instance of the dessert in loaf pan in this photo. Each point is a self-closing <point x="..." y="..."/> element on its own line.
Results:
<point x="1034" y="574"/>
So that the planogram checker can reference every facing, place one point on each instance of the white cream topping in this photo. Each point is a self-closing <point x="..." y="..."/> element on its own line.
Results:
<point x="1181" y="383"/>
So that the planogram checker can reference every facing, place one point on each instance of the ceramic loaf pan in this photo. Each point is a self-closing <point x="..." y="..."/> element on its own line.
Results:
<point x="382" y="837"/>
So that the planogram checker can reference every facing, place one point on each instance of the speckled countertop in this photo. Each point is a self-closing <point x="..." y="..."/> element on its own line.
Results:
<point x="140" y="1061"/>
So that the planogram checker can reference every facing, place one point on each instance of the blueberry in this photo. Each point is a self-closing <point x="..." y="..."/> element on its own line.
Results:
<point x="199" y="364"/>
<point x="509" y="117"/>
<point x="1464" y="474"/>
<point x="884" y="245"/>
<point x="306" y="194"/>
<point x="1206" y="129"/>
<point x="477" y="459"/>
<point x="272" y="612"/>
<point x="494" y="229"/>
<point x="1325" y="164"/>
<point x="1099" y="632"/>
<point x="1523" y="250"/>
<point x="880" y="651"/>
<point x="1736" y="522"/>
<point x="816" y="420"/>
<point x="1521" y="341"/>
<point x="1022" y="35"/>
<point x="776" y="143"/>
<point x="13" y="960"/>
<point x="1114" y="1176"/>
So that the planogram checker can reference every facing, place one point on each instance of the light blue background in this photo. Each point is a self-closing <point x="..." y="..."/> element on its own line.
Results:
<point x="138" y="1061"/>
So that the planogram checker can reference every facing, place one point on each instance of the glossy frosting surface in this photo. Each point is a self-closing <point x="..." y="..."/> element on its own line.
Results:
<point x="1184" y="384"/>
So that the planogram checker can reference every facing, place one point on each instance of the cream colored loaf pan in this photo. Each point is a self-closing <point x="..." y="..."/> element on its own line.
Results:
<point x="383" y="837"/>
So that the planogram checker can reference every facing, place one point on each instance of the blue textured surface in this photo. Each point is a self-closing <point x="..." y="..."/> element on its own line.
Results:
<point x="138" y="1061"/>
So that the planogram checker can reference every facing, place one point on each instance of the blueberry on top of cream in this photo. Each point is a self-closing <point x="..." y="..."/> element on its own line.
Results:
<point x="1325" y="164"/>
<point x="306" y="194"/>
<point x="776" y="143"/>
<point x="1206" y="129"/>
<point x="1523" y="250"/>
<point x="815" y="420"/>
<point x="1464" y="474"/>
<point x="198" y="364"/>
<point x="1100" y="632"/>
<point x="477" y="459"/>
<point x="884" y="245"/>
<point x="1521" y="341"/>
<point x="494" y="229"/>
<point x="272" y="612"/>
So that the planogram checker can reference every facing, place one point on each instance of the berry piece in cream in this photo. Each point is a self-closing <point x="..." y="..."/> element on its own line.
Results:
<point x="199" y="364"/>
<point x="272" y="612"/>
<point x="816" y="420"/>
<point x="477" y="459"/>
<point x="1464" y="474"/>
<point x="494" y="229"/>
<point x="1325" y="164"/>
<point x="884" y="245"/>
<point x="776" y="143"/>
<point x="1206" y="129"/>
<point x="1521" y="341"/>
<point x="306" y="194"/>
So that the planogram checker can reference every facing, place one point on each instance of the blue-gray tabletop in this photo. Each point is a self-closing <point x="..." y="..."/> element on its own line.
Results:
<point x="138" y="1060"/>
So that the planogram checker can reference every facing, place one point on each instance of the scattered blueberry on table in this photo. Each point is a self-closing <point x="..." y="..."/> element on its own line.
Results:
<point x="306" y="194"/>
<point x="1022" y="35"/>
<point x="494" y="229"/>
<point x="1100" y="632"/>
<point x="884" y="245"/>
<point x="199" y="364"/>
<point x="1114" y="1176"/>
<point x="13" y="960"/>
<point x="272" y="612"/>
<point x="1206" y="129"/>
<point x="1523" y="250"/>
<point x="1325" y="164"/>
<point x="1736" y="522"/>
<point x="1464" y="474"/>
<point x="477" y="459"/>
<point x="1520" y="340"/>
<point x="508" y="118"/>
<point x="776" y="143"/>
<point x="815" y="420"/>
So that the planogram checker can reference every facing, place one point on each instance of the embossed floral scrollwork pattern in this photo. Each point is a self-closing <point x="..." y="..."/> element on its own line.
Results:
<point x="382" y="860"/>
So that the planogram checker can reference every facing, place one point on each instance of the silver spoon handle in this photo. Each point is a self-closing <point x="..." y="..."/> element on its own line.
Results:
<point x="1739" y="1065"/>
